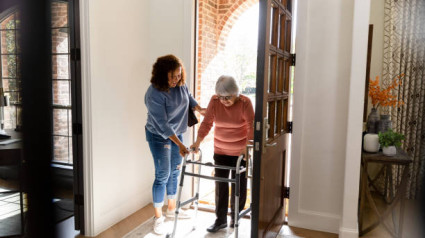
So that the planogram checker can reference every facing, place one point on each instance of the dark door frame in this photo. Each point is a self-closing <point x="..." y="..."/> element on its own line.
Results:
<point x="76" y="95"/>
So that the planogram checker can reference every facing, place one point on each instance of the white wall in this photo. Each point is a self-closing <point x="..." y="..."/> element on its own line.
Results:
<point x="120" y="42"/>
<point x="348" y="223"/>
<point x="377" y="19"/>
<point x="322" y="123"/>
<point x="376" y="61"/>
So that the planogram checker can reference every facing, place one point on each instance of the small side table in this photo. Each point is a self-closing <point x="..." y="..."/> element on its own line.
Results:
<point x="400" y="159"/>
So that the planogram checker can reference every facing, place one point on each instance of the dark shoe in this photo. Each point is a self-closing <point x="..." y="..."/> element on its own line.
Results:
<point x="215" y="227"/>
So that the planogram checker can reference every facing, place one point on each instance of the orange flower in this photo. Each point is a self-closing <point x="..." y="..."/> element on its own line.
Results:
<point x="383" y="97"/>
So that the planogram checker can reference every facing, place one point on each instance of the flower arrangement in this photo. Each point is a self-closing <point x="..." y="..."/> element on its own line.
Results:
<point x="382" y="96"/>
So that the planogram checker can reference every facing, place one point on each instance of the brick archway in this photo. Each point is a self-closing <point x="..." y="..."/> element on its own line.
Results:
<point x="215" y="20"/>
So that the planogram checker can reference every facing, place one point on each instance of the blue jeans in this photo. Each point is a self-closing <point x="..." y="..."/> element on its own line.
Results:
<point x="166" y="158"/>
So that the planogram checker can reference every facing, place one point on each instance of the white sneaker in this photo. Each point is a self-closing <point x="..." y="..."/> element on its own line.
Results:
<point x="159" y="225"/>
<point x="182" y="214"/>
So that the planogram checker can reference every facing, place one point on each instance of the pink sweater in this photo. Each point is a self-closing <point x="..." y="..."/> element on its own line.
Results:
<point x="233" y="125"/>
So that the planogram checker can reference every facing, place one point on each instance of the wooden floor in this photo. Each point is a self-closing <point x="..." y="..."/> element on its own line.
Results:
<point x="146" y="213"/>
<point x="410" y="230"/>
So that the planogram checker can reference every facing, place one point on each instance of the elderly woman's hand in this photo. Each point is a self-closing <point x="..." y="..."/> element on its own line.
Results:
<point x="196" y="144"/>
<point x="244" y="153"/>
<point x="195" y="147"/>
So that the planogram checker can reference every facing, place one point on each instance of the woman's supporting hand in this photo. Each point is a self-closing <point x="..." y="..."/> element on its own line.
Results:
<point x="201" y="110"/>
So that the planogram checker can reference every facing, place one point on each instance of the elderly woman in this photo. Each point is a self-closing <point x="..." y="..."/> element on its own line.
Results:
<point x="168" y="101"/>
<point x="233" y="116"/>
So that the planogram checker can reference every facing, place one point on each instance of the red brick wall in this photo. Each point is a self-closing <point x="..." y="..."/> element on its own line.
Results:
<point x="61" y="89"/>
<point x="215" y="20"/>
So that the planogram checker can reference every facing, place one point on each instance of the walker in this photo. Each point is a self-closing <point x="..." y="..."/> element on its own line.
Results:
<point x="239" y="169"/>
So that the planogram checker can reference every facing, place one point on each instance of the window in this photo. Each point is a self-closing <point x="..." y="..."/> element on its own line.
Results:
<point x="10" y="67"/>
<point x="61" y="77"/>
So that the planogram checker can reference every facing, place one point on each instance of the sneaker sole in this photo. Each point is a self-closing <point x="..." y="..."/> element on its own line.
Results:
<point x="179" y="217"/>
<point x="173" y="215"/>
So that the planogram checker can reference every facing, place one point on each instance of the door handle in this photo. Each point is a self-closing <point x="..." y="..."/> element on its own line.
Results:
<point x="271" y="145"/>
<point x="266" y="126"/>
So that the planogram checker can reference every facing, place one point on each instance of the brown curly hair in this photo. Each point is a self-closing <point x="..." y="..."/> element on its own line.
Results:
<point x="162" y="67"/>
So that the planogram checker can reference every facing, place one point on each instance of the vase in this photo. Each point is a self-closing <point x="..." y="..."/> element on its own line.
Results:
<point x="372" y="121"/>
<point x="389" y="150"/>
<point x="371" y="143"/>
<point x="384" y="123"/>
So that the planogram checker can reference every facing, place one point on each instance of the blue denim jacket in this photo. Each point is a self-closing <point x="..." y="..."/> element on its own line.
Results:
<point x="167" y="111"/>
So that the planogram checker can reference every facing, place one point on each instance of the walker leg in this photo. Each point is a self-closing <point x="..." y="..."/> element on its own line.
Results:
<point x="178" y="200"/>
<point x="237" y="194"/>
<point x="197" y="195"/>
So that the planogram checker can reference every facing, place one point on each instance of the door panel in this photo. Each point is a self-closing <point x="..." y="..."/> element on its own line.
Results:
<point x="271" y="113"/>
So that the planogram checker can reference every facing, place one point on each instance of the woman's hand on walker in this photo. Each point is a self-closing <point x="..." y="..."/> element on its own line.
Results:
<point x="183" y="150"/>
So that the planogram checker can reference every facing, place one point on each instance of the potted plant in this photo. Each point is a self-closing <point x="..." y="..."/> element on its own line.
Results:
<point x="389" y="140"/>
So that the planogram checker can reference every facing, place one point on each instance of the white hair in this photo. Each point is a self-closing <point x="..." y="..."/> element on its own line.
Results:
<point x="226" y="86"/>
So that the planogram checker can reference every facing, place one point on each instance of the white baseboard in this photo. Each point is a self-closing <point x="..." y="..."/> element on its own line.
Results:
<point x="317" y="221"/>
<point x="348" y="233"/>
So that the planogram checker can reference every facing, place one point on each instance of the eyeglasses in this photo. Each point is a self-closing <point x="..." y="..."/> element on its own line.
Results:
<point x="225" y="97"/>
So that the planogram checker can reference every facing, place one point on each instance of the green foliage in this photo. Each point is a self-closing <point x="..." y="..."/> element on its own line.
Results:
<point x="390" y="138"/>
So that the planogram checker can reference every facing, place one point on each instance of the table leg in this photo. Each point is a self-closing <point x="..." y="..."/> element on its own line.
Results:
<point x="363" y="187"/>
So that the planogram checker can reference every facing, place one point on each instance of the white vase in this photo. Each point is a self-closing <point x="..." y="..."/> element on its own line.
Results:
<point x="389" y="151"/>
<point x="371" y="143"/>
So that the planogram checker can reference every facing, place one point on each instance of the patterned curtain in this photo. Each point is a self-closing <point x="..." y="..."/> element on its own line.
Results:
<point x="404" y="53"/>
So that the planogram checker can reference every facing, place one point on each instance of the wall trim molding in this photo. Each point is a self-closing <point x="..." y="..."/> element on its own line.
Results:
<point x="314" y="220"/>
<point x="87" y="119"/>
<point x="320" y="214"/>
<point x="348" y="233"/>
<point x="360" y="31"/>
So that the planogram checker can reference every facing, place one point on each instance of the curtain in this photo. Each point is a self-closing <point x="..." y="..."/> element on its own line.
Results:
<point x="404" y="53"/>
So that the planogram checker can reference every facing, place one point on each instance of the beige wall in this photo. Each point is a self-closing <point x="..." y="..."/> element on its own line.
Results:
<point x="328" y="101"/>
<point x="121" y="41"/>
<point x="376" y="61"/>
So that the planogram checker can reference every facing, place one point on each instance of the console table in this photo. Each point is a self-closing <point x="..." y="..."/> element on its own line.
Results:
<point x="402" y="160"/>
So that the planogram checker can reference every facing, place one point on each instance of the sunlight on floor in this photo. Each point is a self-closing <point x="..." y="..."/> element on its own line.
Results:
<point x="185" y="228"/>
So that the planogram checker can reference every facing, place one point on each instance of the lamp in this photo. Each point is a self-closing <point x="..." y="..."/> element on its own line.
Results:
<point x="3" y="102"/>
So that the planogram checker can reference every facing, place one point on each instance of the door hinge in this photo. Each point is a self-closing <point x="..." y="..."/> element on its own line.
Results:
<point x="77" y="129"/>
<point x="76" y="54"/>
<point x="293" y="58"/>
<point x="266" y="127"/>
<point x="78" y="199"/>
<point x="286" y="192"/>
<point x="289" y="125"/>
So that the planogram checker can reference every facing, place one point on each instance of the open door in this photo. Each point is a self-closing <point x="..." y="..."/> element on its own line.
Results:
<point x="271" y="112"/>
